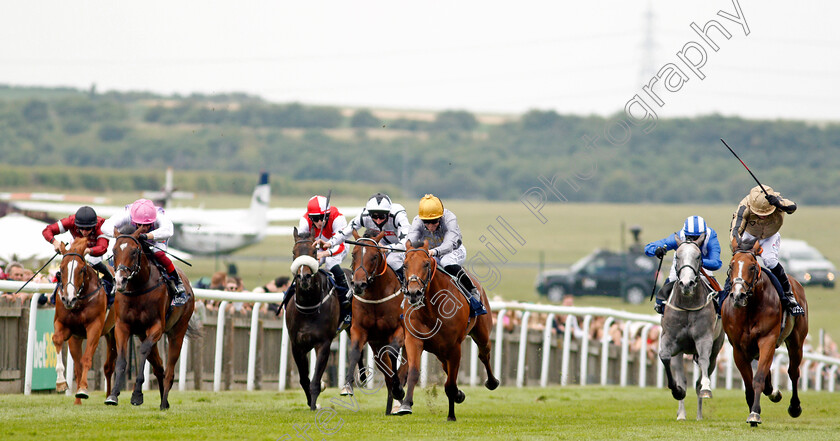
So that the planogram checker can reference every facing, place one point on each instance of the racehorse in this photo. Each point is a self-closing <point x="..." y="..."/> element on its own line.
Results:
<point x="313" y="321"/>
<point x="142" y="305"/>
<point x="81" y="314"/>
<point x="756" y="325"/>
<point x="690" y="326"/>
<point x="377" y="312"/>
<point x="437" y="320"/>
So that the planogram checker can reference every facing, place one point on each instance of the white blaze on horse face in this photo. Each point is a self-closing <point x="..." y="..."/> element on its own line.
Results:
<point x="122" y="247"/>
<point x="738" y="287"/>
<point x="70" y="286"/>
<point x="687" y="254"/>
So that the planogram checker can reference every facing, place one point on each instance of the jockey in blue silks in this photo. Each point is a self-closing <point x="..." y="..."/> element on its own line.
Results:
<point x="693" y="228"/>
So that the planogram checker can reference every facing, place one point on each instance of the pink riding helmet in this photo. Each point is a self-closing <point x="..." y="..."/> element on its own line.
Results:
<point x="143" y="211"/>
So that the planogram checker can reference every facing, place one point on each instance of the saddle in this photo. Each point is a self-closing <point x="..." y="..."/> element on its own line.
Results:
<point x="457" y="283"/>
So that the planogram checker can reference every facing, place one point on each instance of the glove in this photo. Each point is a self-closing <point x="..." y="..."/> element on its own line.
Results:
<point x="143" y="236"/>
<point x="773" y="200"/>
<point x="660" y="252"/>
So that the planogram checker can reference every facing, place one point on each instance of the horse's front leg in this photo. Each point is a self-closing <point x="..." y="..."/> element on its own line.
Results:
<point x="121" y="335"/>
<point x="455" y="395"/>
<point x="175" y="345"/>
<point x="358" y="338"/>
<point x="322" y="356"/>
<point x="93" y="334"/>
<point x="673" y="370"/>
<point x="301" y="356"/>
<point x="75" y="347"/>
<point x="60" y="335"/>
<point x="795" y="356"/>
<point x="153" y="334"/>
<point x="704" y="353"/>
<point x="110" y="361"/>
<point x="413" y="351"/>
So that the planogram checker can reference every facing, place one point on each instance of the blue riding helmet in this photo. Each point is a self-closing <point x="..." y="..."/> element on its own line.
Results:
<point x="694" y="227"/>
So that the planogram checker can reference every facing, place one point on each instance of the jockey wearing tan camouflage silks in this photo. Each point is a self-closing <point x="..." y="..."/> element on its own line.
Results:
<point x="759" y="217"/>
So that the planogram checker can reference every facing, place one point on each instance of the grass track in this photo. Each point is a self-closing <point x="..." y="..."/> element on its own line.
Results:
<point x="508" y="413"/>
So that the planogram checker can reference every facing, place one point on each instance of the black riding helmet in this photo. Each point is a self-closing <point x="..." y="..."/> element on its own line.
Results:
<point x="85" y="217"/>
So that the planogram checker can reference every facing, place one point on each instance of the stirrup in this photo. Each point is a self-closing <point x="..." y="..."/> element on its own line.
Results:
<point x="659" y="308"/>
<point x="180" y="298"/>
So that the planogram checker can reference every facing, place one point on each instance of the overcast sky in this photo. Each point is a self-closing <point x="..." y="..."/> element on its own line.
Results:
<point x="482" y="56"/>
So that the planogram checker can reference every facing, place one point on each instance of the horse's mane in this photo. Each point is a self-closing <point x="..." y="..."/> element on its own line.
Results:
<point x="371" y="233"/>
<point x="78" y="245"/>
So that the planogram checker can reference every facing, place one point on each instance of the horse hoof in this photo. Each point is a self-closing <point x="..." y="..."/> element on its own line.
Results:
<point x="706" y="393"/>
<point x="451" y="418"/>
<point x="678" y="393"/>
<point x="459" y="398"/>
<point x="776" y="396"/>
<point x="754" y="419"/>
<point x="164" y="406"/>
<point x="491" y="383"/>
<point x="61" y="387"/>
<point x="795" y="411"/>
<point x="681" y="418"/>
<point x="346" y="390"/>
<point x="112" y="400"/>
<point x="395" y="408"/>
<point x="82" y="393"/>
<point x="405" y="409"/>
<point x="136" y="399"/>
<point x="398" y="394"/>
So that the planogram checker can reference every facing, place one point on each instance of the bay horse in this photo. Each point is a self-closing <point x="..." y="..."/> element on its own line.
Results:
<point x="438" y="320"/>
<point x="756" y="324"/>
<point x="377" y="314"/>
<point x="690" y="326"/>
<point x="81" y="314"/>
<point x="142" y="301"/>
<point x="313" y="321"/>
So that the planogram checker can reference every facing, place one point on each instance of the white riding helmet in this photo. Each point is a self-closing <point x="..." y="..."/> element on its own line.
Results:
<point x="379" y="202"/>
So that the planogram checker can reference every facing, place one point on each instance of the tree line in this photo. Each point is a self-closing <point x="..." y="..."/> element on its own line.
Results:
<point x="226" y="137"/>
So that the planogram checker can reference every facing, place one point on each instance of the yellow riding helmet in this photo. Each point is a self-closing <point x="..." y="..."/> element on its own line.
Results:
<point x="430" y="207"/>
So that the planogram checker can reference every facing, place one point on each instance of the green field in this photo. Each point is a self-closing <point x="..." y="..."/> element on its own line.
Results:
<point x="571" y="413"/>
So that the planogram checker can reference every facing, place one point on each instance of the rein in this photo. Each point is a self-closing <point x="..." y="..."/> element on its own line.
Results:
<point x="370" y="276"/>
<point x="424" y="284"/>
<point x="135" y="268"/>
<point x="748" y="288"/>
<point x="311" y="309"/>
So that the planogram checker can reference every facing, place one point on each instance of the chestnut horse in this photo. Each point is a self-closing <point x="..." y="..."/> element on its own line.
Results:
<point x="437" y="321"/>
<point x="313" y="321"/>
<point x="141" y="303"/>
<point x="753" y="319"/>
<point x="377" y="314"/>
<point x="81" y="314"/>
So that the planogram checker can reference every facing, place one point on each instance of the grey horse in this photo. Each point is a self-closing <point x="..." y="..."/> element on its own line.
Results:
<point x="690" y="326"/>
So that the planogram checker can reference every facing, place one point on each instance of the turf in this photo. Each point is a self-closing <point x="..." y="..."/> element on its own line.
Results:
<point x="572" y="413"/>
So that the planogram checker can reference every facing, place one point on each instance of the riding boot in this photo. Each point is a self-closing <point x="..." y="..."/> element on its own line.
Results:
<point x="401" y="275"/>
<point x="286" y="297"/>
<point x="662" y="296"/>
<point x="107" y="281"/>
<point x="476" y="307"/>
<point x="180" y="291"/>
<point x="787" y="298"/>
<point x="343" y="294"/>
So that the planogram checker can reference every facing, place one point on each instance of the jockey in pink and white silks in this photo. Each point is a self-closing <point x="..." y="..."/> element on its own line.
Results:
<point x="143" y="214"/>
<point x="383" y="215"/>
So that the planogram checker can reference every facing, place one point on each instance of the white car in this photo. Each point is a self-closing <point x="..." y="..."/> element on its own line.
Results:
<point x="806" y="264"/>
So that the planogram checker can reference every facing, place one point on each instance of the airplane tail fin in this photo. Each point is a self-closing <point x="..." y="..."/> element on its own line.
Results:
<point x="258" y="210"/>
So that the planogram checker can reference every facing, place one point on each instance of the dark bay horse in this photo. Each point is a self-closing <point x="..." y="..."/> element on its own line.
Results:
<point x="141" y="303"/>
<point x="81" y="314"/>
<point x="753" y="320"/>
<point x="437" y="321"/>
<point x="313" y="321"/>
<point x="377" y="312"/>
<point x="690" y="326"/>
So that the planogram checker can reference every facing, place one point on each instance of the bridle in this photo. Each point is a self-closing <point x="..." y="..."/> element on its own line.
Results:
<point x="80" y="291"/>
<point x="307" y="309"/>
<point x="430" y="270"/>
<point x="381" y="261"/>
<point x="748" y="287"/>
<point x="690" y="266"/>
<point x="136" y="252"/>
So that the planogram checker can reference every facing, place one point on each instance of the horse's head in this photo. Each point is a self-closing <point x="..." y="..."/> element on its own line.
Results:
<point x="73" y="273"/>
<point x="304" y="263"/>
<point x="127" y="256"/>
<point x="687" y="261"/>
<point x="419" y="270"/>
<point x="744" y="272"/>
<point x="368" y="261"/>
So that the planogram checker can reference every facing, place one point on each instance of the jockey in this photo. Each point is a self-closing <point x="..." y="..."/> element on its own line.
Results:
<point x="440" y="227"/>
<point x="85" y="223"/>
<point x="157" y="229"/>
<point x="694" y="228"/>
<point x="383" y="215"/>
<point x="759" y="217"/>
<point x="324" y="223"/>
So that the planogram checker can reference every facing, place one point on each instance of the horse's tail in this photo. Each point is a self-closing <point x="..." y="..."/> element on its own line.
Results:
<point x="194" y="328"/>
